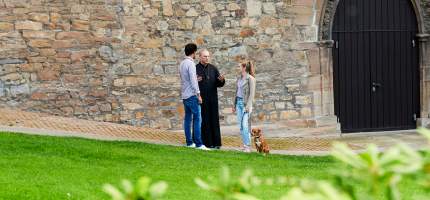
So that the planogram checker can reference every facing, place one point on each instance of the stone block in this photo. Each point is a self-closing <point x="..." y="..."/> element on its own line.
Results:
<point x="39" y="34"/>
<point x="149" y="13"/>
<point x="62" y="44"/>
<point x="9" y="68"/>
<point x="6" y="27"/>
<point x="107" y="54"/>
<point x="80" y="25"/>
<point x="93" y="110"/>
<point x="139" y="115"/>
<point x="306" y="112"/>
<point x="269" y="8"/>
<point x="40" y="43"/>
<point x="20" y="11"/>
<point x="98" y="93"/>
<point x="186" y="24"/>
<point x="67" y="111"/>
<point x="47" y="74"/>
<point x="78" y="56"/>
<point x="68" y="35"/>
<point x="307" y="3"/>
<point x="233" y="6"/>
<point x="31" y="67"/>
<point x="47" y="52"/>
<point x="289" y="114"/>
<point x="39" y="96"/>
<point x="301" y="10"/>
<point x="192" y="13"/>
<point x="303" y="100"/>
<point x="11" y="61"/>
<point x="268" y="107"/>
<point x="231" y="119"/>
<point x="40" y="17"/>
<point x="150" y="43"/>
<point x="28" y="25"/>
<point x="167" y="8"/>
<point x="304" y="19"/>
<point x="105" y="107"/>
<point x="16" y="90"/>
<point x="237" y="51"/>
<point x="294" y="87"/>
<point x="247" y="32"/>
<point x="300" y="123"/>
<point x="280" y="105"/>
<point x="11" y="77"/>
<point x="160" y="123"/>
<point x="209" y="7"/>
<point x="253" y="8"/>
<point x="132" y="106"/>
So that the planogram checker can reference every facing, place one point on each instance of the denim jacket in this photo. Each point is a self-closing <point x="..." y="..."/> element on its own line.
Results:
<point x="248" y="92"/>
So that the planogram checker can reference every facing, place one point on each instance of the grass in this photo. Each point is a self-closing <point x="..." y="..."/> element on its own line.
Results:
<point x="42" y="167"/>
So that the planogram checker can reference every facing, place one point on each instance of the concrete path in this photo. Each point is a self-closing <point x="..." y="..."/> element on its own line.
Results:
<point x="281" y="138"/>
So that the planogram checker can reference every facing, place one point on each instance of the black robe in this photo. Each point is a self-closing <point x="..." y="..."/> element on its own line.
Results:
<point x="211" y="135"/>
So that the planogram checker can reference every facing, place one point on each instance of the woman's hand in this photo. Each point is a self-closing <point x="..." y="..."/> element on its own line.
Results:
<point x="233" y="109"/>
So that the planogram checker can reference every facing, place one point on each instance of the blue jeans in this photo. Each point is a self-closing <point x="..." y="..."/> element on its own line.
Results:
<point x="243" y="119"/>
<point x="192" y="116"/>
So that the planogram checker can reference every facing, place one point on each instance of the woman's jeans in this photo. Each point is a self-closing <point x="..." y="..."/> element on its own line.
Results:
<point x="192" y="116"/>
<point x="243" y="119"/>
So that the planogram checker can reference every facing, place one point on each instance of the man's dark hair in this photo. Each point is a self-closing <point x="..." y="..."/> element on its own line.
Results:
<point x="190" y="49"/>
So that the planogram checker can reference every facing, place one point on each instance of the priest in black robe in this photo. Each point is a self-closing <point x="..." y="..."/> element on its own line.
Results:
<point x="209" y="80"/>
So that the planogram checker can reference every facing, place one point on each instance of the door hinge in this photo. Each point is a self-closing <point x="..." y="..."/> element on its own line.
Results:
<point x="413" y="43"/>
<point x="415" y="117"/>
<point x="336" y="44"/>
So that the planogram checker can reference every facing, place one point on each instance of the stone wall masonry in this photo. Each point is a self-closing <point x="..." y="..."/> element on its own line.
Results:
<point x="117" y="60"/>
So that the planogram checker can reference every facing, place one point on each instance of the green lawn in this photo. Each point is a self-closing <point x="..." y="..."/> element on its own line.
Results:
<point x="40" y="167"/>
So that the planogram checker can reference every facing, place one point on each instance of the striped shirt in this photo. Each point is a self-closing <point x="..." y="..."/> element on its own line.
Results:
<point x="189" y="84"/>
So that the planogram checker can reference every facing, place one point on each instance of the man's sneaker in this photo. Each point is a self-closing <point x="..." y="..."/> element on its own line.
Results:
<point x="203" y="147"/>
<point x="191" y="145"/>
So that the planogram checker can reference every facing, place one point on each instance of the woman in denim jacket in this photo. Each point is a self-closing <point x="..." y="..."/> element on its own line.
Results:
<point x="244" y="97"/>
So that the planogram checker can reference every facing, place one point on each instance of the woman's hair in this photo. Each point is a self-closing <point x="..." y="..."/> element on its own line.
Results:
<point x="249" y="67"/>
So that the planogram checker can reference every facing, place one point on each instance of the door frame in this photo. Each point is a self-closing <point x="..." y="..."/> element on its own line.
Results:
<point x="325" y="45"/>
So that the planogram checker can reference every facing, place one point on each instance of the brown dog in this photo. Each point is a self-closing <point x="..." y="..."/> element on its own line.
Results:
<point x="260" y="144"/>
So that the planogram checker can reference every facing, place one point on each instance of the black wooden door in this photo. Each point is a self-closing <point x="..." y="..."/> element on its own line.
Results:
<point x="375" y="58"/>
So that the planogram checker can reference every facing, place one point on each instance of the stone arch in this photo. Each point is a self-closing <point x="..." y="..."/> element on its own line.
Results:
<point x="329" y="10"/>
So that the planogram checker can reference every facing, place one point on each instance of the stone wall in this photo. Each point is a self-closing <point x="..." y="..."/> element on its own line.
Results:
<point x="117" y="60"/>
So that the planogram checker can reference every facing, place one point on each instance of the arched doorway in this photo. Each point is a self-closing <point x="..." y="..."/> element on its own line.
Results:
<point x="375" y="65"/>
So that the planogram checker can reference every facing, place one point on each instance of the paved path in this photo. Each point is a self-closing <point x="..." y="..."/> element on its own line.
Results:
<point x="284" y="140"/>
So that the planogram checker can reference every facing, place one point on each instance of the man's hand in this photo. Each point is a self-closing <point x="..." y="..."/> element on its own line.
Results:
<point x="200" y="99"/>
<point x="233" y="109"/>
<point x="199" y="78"/>
<point x="221" y="77"/>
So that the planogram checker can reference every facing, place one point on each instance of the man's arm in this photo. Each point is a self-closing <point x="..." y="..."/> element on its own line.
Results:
<point x="193" y="79"/>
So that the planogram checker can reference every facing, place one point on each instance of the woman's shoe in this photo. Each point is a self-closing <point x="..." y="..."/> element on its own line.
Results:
<point x="246" y="149"/>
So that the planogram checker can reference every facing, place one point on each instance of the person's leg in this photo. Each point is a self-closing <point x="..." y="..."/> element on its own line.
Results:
<point x="246" y="136"/>
<point x="187" y="122"/>
<point x="239" y="115"/>
<point x="205" y="127"/>
<point x="240" y="111"/>
<point x="197" y="122"/>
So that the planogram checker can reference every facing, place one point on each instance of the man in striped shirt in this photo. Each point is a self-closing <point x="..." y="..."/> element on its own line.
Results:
<point x="191" y="98"/>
